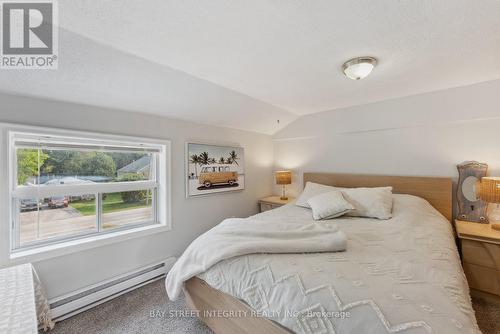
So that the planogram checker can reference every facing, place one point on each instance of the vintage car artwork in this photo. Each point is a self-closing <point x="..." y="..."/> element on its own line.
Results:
<point x="214" y="169"/>
<point x="217" y="174"/>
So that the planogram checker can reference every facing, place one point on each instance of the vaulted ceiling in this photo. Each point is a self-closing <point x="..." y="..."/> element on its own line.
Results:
<point x="247" y="64"/>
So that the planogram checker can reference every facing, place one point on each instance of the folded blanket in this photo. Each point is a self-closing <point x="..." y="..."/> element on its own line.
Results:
<point x="236" y="236"/>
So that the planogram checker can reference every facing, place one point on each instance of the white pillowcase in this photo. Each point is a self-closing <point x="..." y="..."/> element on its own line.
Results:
<point x="310" y="190"/>
<point x="368" y="202"/>
<point x="329" y="205"/>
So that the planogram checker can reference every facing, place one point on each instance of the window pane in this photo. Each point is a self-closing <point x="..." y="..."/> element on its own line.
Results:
<point x="56" y="217"/>
<point x="128" y="207"/>
<point x="59" y="166"/>
<point x="44" y="163"/>
<point x="27" y="165"/>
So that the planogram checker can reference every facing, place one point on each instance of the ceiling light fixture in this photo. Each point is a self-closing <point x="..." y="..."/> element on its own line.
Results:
<point x="359" y="68"/>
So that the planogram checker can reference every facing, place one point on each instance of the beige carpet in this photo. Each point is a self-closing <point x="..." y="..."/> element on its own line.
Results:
<point x="148" y="310"/>
<point x="144" y="310"/>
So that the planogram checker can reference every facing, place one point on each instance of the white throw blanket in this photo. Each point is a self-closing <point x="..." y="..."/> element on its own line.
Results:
<point x="236" y="236"/>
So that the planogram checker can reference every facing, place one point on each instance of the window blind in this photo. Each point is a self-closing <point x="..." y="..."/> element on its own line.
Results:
<point x="69" y="143"/>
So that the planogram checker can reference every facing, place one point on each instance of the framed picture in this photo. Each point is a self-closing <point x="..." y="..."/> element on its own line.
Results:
<point x="214" y="169"/>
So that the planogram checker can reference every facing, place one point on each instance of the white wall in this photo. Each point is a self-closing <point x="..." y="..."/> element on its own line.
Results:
<point x="422" y="135"/>
<point x="190" y="217"/>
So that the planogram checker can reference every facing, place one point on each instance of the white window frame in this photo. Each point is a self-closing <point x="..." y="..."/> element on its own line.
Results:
<point x="57" y="246"/>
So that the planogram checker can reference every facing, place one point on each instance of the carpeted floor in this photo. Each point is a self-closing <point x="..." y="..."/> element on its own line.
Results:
<point x="144" y="310"/>
<point x="147" y="310"/>
<point x="487" y="315"/>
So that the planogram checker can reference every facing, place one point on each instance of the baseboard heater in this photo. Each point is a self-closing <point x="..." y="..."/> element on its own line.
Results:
<point x="81" y="300"/>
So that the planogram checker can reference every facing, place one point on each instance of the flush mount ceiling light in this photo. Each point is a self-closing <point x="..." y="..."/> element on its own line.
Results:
<point x="359" y="68"/>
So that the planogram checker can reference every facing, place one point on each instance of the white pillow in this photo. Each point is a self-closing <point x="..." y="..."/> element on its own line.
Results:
<point x="329" y="205"/>
<point x="310" y="190"/>
<point x="369" y="202"/>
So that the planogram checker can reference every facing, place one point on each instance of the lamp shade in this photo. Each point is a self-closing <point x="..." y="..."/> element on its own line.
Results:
<point x="490" y="189"/>
<point x="284" y="177"/>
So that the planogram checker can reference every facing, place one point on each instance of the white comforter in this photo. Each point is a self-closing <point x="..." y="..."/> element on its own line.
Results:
<point x="236" y="236"/>
<point x="397" y="275"/>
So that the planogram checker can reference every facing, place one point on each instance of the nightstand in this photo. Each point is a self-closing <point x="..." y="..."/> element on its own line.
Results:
<point x="480" y="246"/>
<point x="272" y="202"/>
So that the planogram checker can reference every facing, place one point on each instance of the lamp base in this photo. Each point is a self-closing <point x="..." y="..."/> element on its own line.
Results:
<point x="283" y="194"/>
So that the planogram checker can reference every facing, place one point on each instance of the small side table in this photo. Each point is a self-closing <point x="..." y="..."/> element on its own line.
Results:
<point x="480" y="246"/>
<point x="273" y="202"/>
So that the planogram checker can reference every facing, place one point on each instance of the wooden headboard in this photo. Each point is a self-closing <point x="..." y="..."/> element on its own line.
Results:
<point x="436" y="190"/>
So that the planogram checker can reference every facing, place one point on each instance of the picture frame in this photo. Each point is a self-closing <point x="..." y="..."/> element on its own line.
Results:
<point x="213" y="168"/>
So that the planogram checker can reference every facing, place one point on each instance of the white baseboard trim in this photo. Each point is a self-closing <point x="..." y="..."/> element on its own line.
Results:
<point x="70" y="304"/>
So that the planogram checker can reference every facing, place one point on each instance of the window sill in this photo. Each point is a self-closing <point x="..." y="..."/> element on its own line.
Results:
<point x="73" y="246"/>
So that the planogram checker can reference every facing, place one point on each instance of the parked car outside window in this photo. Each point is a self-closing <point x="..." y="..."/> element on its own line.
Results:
<point x="29" y="204"/>
<point x="58" y="202"/>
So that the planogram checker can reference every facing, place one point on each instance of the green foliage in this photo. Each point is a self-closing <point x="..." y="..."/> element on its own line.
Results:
<point x="133" y="196"/>
<point x="67" y="162"/>
<point x="91" y="164"/>
<point x="56" y="161"/>
<point x="28" y="161"/>
<point x="122" y="159"/>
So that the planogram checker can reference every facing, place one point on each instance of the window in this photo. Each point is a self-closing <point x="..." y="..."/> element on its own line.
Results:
<point x="65" y="187"/>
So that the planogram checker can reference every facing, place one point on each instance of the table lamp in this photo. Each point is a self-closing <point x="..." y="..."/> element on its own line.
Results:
<point x="283" y="178"/>
<point x="490" y="192"/>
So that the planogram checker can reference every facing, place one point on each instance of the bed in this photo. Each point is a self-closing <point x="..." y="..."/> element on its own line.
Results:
<point x="398" y="275"/>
